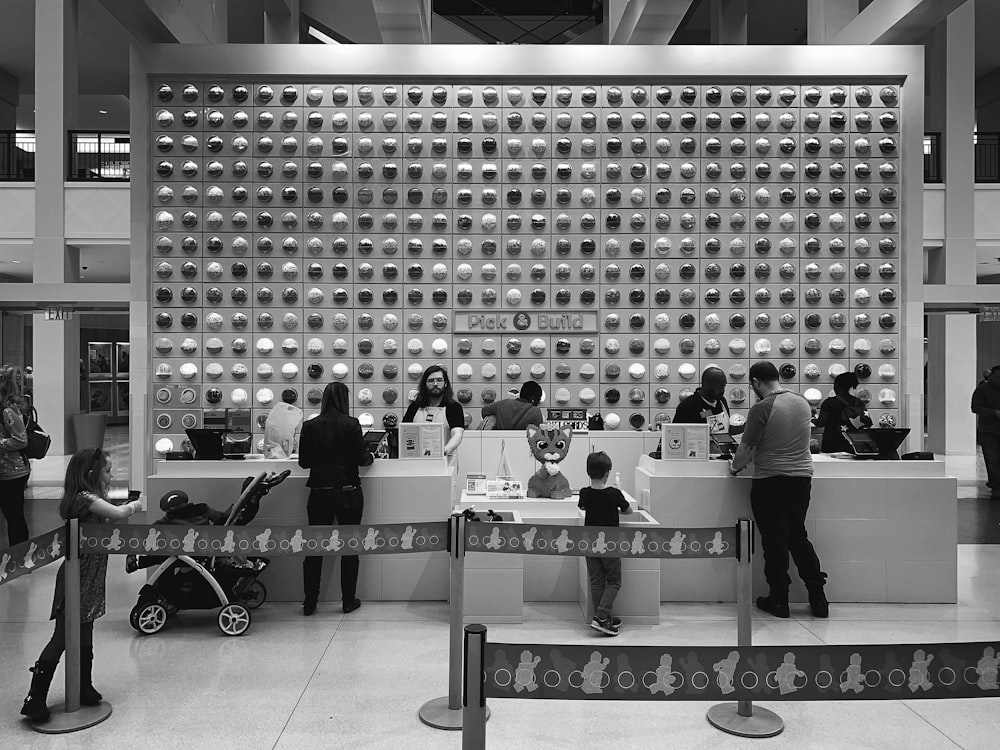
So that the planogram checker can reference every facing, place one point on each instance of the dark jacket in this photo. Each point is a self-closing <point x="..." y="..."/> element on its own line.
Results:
<point x="985" y="404"/>
<point x="834" y="413"/>
<point x="13" y="440"/>
<point x="514" y="413"/>
<point x="331" y="447"/>
<point x="689" y="411"/>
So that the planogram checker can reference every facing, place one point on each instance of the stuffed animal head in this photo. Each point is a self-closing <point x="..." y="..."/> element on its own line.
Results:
<point x="549" y="444"/>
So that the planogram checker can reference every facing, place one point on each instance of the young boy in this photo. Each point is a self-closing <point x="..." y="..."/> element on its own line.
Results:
<point x="602" y="504"/>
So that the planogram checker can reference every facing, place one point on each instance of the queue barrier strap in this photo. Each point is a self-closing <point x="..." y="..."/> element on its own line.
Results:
<point x="29" y="556"/>
<point x="602" y="541"/>
<point x="759" y="673"/>
<point x="273" y="541"/>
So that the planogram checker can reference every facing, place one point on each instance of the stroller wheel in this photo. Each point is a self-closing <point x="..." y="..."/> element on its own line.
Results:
<point x="234" y="619"/>
<point x="149" y="617"/>
<point x="255" y="595"/>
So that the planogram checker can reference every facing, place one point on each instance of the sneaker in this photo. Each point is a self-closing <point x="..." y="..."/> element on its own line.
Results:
<point x="772" y="606"/>
<point x="603" y="626"/>
<point x="616" y="622"/>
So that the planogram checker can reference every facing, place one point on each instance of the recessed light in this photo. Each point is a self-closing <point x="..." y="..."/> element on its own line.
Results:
<point x="17" y="261"/>
<point x="102" y="111"/>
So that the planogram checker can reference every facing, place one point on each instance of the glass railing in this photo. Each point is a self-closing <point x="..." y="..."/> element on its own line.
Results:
<point x="17" y="156"/>
<point x="99" y="156"/>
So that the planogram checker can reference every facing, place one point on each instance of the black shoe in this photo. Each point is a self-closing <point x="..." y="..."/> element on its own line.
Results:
<point x="818" y="604"/>
<point x="308" y="606"/>
<point x="773" y="606"/>
<point x="351" y="606"/>
<point x="34" y="705"/>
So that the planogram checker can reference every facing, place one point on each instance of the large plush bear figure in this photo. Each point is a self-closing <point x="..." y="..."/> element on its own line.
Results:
<point x="549" y="446"/>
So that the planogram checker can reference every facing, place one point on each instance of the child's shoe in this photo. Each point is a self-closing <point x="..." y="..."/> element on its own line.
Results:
<point x="603" y="626"/>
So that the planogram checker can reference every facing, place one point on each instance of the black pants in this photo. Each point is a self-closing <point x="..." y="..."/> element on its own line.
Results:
<point x="326" y="507"/>
<point x="990" y="443"/>
<point x="12" y="507"/>
<point x="53" y="650"/>
<point x="779" y="510"/>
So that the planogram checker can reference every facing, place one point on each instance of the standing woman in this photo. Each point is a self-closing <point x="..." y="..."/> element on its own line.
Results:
<point x="331" y="447"/>
<point x="14" y="466"/>
<point x="85" y="492"/>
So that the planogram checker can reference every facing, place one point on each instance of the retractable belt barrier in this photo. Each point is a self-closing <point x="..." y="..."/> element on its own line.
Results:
<point x="602" y="541"/>
<point x="29" y="556"/>
<point x="274" y="541"/>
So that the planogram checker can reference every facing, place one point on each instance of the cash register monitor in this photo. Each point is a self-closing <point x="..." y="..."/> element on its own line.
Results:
<point x="723" y="443"/>
<point x="372" y="439"/>
<point x="207" y="443"/>
<point x="888" y="440"/>
<point x="862" y="444"/>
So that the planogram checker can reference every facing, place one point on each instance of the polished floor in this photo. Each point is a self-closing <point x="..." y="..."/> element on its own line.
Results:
<point x="356" y="681"/>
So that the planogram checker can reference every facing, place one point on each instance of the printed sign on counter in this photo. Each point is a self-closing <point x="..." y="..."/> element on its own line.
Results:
<point x="685" y="441"/>
<point x="420" y="440"/>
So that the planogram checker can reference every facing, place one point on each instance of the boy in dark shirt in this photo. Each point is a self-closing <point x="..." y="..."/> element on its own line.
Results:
<point x="602" y="504"/>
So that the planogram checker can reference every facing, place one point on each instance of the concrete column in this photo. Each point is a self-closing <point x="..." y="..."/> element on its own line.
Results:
<point x="56" y="363"/>
<point x="56" y="345"/>
<point x="960" y="124"/>
<point x="827" y="18"/>
<point x="729" y="22"/>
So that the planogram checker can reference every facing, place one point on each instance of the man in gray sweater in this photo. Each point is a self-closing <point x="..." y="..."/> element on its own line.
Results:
<point x="517" y="413"/>
<point x="776" y="439"/>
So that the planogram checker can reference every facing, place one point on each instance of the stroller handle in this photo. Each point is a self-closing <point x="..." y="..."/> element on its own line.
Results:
<point x="273" y="480"/>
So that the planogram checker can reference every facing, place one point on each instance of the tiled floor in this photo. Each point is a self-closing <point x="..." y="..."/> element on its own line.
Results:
<point x="356" y="681"/>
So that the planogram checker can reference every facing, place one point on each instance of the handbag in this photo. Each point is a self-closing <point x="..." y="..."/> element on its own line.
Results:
<point x="39" y="441"/>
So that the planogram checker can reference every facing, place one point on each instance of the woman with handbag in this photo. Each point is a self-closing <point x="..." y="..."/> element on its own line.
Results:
<point x="14" y="466"/>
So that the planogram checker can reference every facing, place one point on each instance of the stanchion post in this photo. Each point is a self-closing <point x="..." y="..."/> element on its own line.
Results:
<point x="474" y="695"/>
<point x="742" y="718"/>
<point x="446" y="713"/>
<point x="72" y="717"/>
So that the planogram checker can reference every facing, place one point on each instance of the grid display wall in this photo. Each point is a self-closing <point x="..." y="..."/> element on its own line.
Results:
<point x="609" y="240"/>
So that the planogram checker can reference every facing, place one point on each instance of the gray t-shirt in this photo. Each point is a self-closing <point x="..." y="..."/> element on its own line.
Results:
<point x="778" y="429"/>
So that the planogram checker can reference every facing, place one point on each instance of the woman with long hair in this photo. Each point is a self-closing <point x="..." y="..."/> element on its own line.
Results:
<point x="331" y="447"/>
<point x="14" y="465"/>
<point x="85" y="493"/>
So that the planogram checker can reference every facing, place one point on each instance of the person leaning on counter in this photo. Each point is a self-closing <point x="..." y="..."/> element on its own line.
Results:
<point x="708" y="405"/>
<point x="436" y="403"/>
<point x="332" y="448"/>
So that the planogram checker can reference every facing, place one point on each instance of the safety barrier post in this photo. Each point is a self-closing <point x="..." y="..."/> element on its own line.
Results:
<point x="446" y="712"/>
<point x="741" y="718"/>
<point x="72" y="717"/>
<point x="474" y="711"/>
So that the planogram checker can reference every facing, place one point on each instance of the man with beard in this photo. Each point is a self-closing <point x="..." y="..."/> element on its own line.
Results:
<point x="436" y="403"/>
<point x="776" y="438"/>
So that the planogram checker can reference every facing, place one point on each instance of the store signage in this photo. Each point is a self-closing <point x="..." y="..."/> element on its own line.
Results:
<point x="526" y="322"/>
<point x="989" y="313"/>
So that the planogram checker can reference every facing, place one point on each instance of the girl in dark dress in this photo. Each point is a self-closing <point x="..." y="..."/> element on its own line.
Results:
<point x="842" y="410"/>
<point x="85" y="492"/>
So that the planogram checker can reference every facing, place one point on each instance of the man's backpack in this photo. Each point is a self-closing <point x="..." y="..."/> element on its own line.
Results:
<point x="38" y="440"/>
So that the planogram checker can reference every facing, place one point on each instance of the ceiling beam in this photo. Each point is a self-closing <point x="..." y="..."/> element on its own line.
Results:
<point x="171" y="21"/>
<point x="896" y="21"/>
<point x="404" y="21"/>
<point x="648" y="21"/>
<point x="40" y="295"/>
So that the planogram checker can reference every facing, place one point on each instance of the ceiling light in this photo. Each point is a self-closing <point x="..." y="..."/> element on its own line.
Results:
<point x="102" y="111"/>
<point x="17" y="261"/>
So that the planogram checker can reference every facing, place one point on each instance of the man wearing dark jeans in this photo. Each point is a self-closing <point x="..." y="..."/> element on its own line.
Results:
<point x="986" y="406"/>
<point x="776" y="439"/>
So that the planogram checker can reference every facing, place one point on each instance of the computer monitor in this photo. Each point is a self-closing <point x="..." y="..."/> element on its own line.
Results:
<point x="862" y="444"/>
<point x="888" y="440"/>
<point x="207" y="443"/>
<point x="723" y="443"/>
<point x="373" y="438"/>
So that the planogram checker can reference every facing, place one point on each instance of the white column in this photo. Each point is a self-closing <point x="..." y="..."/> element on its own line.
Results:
<point x="55" y="344"/>
<point x="960" y="124"/>
<point x="827" y="18"/>
<point x="960" y="377"/>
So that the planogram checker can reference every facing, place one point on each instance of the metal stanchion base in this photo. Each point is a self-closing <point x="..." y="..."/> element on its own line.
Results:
<point x="62" y="722"/>
<point x="437" y="714"/>
<point x="763" y="723"/>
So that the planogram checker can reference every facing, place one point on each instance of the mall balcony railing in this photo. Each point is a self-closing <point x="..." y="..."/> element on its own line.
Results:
<point x="17" y="156"/>
<point x="102" y="156"/>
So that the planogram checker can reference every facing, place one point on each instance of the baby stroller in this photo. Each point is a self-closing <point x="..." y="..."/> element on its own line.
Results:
<point x="184" y="582"/>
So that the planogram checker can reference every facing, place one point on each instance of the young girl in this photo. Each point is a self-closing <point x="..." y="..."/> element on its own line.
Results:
<point x="14" y="467"/>
<point x="88" y="478"/>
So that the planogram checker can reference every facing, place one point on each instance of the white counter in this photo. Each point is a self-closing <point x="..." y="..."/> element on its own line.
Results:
<point x="885" y="531"/>
<point x="395" y="491"/>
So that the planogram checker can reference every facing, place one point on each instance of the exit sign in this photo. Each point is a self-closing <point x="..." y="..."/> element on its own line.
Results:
<point x="58" y="313"/>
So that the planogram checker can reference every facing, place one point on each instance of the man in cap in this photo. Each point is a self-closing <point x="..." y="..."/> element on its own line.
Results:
<point x="707" y="405"/>
<point x="517" y="413"/>
<point x="776" y="439"/>
<point x="986" y="406"/>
